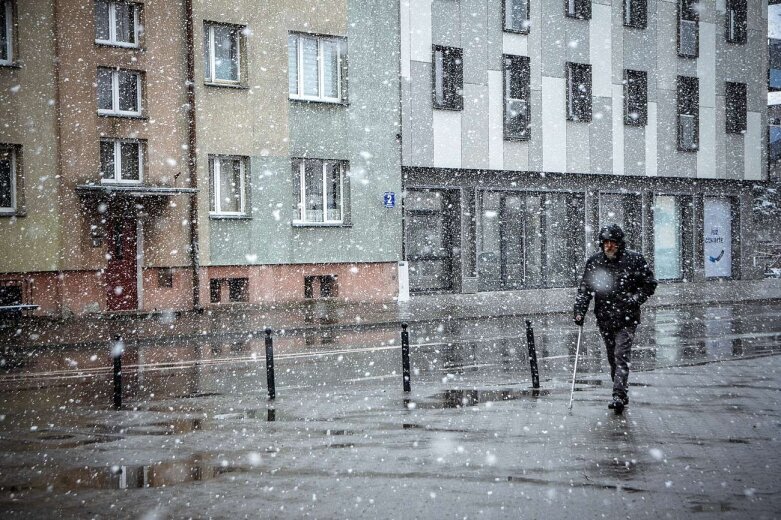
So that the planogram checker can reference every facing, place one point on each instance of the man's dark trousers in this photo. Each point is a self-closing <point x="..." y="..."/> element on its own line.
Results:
<point x="618" y="342"/>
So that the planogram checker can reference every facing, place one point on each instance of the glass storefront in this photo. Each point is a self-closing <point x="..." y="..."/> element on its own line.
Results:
<point x="528" y="240"/>
<point x="668" y="251"/>
<point x="431" y="229"/>
<point x="717" y="237"/>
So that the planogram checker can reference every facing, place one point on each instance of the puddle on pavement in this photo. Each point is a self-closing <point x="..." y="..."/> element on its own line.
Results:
<point x="164" y="474"/>
<point x="713" y="507"/>
<point x="472" y="397"/>
<point x="172" y="427"/>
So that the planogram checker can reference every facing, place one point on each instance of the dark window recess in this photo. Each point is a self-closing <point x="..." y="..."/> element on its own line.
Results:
<point x="517" y="113"/>
<point x="688" y="113"/>
<point x="10" y="294"/>
<point x="448" y="78"/>
<point x="735" y="94"/>
<point x="635" y="14"/>
<point x="165" y="277"/>
<point x="324" y="286"/>
<point x="237" y="289"/>
<point x="635" y="97"/>
<point x="774" y="65"/>
<point x="688" y="29"/>
<point x="580" y="9"/>
<point x="736" y="21"/>
<point x="578" y="92"/>
<point x="516" y="16"/>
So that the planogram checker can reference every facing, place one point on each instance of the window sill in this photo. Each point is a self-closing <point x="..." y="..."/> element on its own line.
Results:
<point x="636" y="27"/>
<point x="638" y="124"/>
<point x="449" y="109"/>
<point x="517" y="139"/>
<point x="115" y="182"/>
<point x="516" y="31"/>
<point x="227" y="216"/>
<point x="305" y="224"/>
<point x="11" y="213"/>
<point x="118" y="45"/>
<point x="139" y="117"/>
<point x="688" y="150"/>
<point x="236" y="86"/>
<point x="319" y="101"/>
<point x="10" y="65"/>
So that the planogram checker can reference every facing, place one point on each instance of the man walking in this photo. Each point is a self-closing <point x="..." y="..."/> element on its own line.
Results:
<point x="620" y="281"/>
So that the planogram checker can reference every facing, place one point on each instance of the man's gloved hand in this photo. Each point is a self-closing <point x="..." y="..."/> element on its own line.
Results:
<point x="578" y="320"/>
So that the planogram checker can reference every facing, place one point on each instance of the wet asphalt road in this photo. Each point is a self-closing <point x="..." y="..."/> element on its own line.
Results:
<point x="343" y="440"/>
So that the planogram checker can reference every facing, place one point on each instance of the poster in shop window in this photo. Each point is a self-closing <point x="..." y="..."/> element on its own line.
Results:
<point x="717" y="236"/>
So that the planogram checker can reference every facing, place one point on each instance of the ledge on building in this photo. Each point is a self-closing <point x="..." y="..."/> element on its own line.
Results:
<point x="131" y="190"/>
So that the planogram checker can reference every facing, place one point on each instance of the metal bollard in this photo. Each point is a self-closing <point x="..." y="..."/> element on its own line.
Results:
<point x="405" y="357"/>
<point x="532" y="355"/>
<point x="270" y="365"/>
<point x="116" y="352"/>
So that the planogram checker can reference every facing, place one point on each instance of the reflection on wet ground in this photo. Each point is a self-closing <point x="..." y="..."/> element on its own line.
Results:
<point x="452" y="351"/>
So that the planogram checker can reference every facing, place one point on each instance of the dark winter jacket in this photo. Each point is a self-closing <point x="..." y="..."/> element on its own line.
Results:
<point x="619" y="286"/>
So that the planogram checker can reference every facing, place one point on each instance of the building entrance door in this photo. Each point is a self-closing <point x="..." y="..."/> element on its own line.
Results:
<point x="121" y="269"/>
<point x="432" y="223"/>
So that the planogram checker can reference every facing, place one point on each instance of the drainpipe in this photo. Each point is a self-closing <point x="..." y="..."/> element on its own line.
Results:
<point x="192" y="159"/>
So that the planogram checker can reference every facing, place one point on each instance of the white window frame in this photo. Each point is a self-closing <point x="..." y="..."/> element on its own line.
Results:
<point x="7" y="5"/>
<point x="300" y="37"/>
<point x="112" y="25"/>
<point x="10" y="210"/>
<point x="302" y="191"/>
<point x="117" y="179"/>
<point x="115" y="111"/>
<point x="215" y="163"/>
<point x="209" y="42"/>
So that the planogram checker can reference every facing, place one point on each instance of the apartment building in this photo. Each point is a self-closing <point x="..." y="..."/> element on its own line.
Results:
<point x="94" y="184"/>
<point x="297" y="119"/>
<point x="171" y="155"/>
<point x="528" y="124"/>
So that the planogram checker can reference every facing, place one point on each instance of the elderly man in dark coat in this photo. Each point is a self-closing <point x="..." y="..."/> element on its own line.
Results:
<point x="620" y="281"/>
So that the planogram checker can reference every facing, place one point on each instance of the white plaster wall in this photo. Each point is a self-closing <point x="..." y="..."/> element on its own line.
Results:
<point x="554" y="128"/>
<point x="600" y="50"/>
<point x="447" y="139"/>
<point x="495" y="121"/>
<point x="420" y="30"/>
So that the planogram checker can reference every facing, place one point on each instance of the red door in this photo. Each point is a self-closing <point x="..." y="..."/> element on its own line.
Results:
<point x="121" y="279"/>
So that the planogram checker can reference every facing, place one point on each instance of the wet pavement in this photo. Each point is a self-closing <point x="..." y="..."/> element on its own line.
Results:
<point x="198" y="438"/>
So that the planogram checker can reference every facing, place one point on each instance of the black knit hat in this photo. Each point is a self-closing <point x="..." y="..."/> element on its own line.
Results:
<point x="612" y="232"/>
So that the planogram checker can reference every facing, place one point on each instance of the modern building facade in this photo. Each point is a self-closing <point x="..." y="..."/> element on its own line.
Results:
<point x="528" y="124"/>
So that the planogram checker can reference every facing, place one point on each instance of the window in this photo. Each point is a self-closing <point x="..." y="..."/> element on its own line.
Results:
<point x="635" y="14"/>
<point x="735" y="101"/>
<point x="578" y="92"/>
<point x="121" y="160"/>
<point x="116" y="23"/>
<point x="448" y="85"/>
<point x="737" y="21"/>
<point x="8" y="174"/>
<point x="321" y="186"/>
<point x="316" y="67"/>
<point x="668" y="240"/>
<point x="635" y="97"/>
<point x="516" y="16"/>
<point x="222" y="53"/>
<point x="119" y="92"/>
<point x="227" y="185"/>
<point x="237" y="290"/>
<point x="6" y="32"/>
<point x="774" y="65"/>
<point x="624" y="209"/>
<point x="516" y="98"/>
<point x="578" y="9"/>
<point x="688" y="113"/>
<point x="688" y="28"/>
<point x="326" y="285"/>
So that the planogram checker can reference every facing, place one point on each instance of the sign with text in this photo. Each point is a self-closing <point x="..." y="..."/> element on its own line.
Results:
<point x="717" y="237"/>
<point x="389" y="199"/>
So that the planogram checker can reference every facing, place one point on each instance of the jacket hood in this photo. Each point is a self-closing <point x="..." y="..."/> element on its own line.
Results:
<point x="612" y="232"/>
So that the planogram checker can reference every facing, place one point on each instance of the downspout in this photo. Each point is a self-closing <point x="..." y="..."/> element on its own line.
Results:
<point x="192" y="156"/>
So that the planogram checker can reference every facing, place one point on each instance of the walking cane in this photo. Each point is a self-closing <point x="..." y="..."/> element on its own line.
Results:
<point x="577" y="350"/>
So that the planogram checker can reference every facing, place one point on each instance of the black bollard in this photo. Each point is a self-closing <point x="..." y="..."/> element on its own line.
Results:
<point x="532" y="355"/>
<point x="116" y="353"/>
<point x="270" y="365"/>
<point x="405" y="357"/>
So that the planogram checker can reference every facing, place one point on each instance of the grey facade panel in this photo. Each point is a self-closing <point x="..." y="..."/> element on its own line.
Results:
<point x="473" y="38"/>
<point x="516" y="155"/>
<point x="600" y="139"/>
<point x="535" y="143"/>
<point x="554" y="33"/>
<point x="474" y="127"/>
<point x="446" y="23"/>
<point x="318" y="130"/>
<point x="419" y="143"/>
<point x="634" y="150"/>
<point x="494" y="34"/>
<point x="667" y="54"/>
<point x="734" y="165"/>
<point x="578" y="147"/>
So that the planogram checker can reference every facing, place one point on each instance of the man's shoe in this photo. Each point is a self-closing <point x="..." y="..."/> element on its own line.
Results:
<point x="612" y="404"/>
<point x="617" y="405"/>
